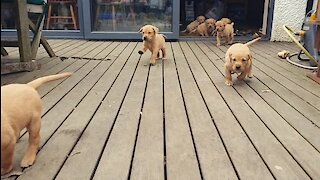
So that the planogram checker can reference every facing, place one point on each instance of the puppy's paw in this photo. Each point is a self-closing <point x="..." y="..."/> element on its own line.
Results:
<point x="27" y="161"/>
<point x="153" y="62"/>
<point x="229" y="83"/>
<point x="140" y="52"/>
<point x="218" y="44"/>
<point x="250" y="76"/>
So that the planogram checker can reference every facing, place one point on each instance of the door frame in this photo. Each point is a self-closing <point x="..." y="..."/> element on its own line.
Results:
<point x="123" y="35"/>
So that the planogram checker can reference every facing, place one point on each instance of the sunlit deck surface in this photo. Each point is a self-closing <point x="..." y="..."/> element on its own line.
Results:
<point x="117" y="117"/>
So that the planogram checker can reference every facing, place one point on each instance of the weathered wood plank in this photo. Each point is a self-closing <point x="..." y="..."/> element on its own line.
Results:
<point x="70" y="66"/>
<point x="102" y="54"/>
<point x="43" y="90"/>
<point x="301" y="150"/>
<point x="299" y="78"/>
<point x="276" y="47"/>
<point x="243" y="166"/>
<point x="270" y="149"/>
<point x="98" y="49"/>
<point x="300" y="92"/>
<point x="181" y="159"/>
<point x="111" y="90"/>
<point x="211" y="152"/>
<point x="115" y="158"/>
<point x="271" y="54"/>
<point x="148" y="160"/>
<point x="79" y="49"/>
<point x="299" y="104"/>
<point x="73" y="46"/>
<point x="59" y="46"/>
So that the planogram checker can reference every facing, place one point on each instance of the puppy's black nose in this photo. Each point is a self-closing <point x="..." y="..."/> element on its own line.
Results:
<point x="238" y="66"/>
<point x="144" y="38"/>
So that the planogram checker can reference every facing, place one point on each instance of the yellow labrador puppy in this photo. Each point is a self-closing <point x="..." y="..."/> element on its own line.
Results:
<point x="238" y="60"/>
<point x="21" y="108"/>
<point x="224" y="30"/>
<point x="194" y="24"/>
<point x="153" y="41"/>
<point x="206" y="28"/>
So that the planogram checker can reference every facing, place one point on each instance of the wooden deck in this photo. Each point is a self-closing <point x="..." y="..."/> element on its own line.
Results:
<point x="119" y="118"/>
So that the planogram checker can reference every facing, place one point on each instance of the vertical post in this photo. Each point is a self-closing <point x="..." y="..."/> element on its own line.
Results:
<point x="23" y="30"/>
<point x="318" y="37"/>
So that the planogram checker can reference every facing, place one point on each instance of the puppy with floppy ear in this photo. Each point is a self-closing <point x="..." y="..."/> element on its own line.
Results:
<point x="153" y="41"/>
<point x="21" y="108"/>
<point x="194" y="24"/>
<point x="225" y="31"/>
<point x="239" y="60"/>
<point x="206" y="28"/>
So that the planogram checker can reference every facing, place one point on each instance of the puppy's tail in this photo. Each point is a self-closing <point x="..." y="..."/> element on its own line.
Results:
<point x="252" y="41"/>
<point x="38" y="82"/>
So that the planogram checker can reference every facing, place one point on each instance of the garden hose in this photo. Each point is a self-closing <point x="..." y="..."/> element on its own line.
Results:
<point x="291" y="33"/>
<point x="299" y="65"/>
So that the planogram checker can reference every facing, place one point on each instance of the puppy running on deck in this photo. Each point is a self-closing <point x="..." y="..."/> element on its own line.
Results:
<point x="153" y="41"/>
<point x="21" y="108"/>
<point x="238" y="60"/>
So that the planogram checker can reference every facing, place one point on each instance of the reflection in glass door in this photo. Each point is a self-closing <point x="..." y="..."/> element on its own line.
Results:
<point x="62" y="14"/>
<point x="64" y="19"/>
<point x="121" y="19"/>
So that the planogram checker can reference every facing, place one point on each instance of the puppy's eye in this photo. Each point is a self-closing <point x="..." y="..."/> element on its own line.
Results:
<point x="243" y="60"/>
<point x="149" y="32"/>
<point x="234" y="59"/>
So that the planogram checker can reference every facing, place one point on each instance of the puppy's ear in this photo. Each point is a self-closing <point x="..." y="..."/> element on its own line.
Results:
<point x="250" y="57"/>
<point x="230" y="57"/>
<point x="141" y="29"/>
<point x="155" y="30"/>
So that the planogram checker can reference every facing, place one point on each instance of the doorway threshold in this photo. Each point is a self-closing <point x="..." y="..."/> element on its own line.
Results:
<point x="213" y="38"/>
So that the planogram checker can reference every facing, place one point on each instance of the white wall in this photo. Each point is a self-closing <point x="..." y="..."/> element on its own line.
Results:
<point x="287" y="12"/>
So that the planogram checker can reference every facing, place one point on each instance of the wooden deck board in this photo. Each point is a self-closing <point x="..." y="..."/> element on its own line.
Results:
<point x="106" y="110"/>
<point x="297" y="102"/>
<point x="299" y="91"/>
<point x="117" y="117"/>
<point x="148" y="159"/>
<point x="299" y="78"/>
<point x="181" y="160"/>
<point x="261" y="137"/>
<point x="207" y="141"/>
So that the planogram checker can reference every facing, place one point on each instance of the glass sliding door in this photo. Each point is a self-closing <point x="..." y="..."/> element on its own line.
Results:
<point x="121" y="19"/>
<point x="63" y="19"/>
